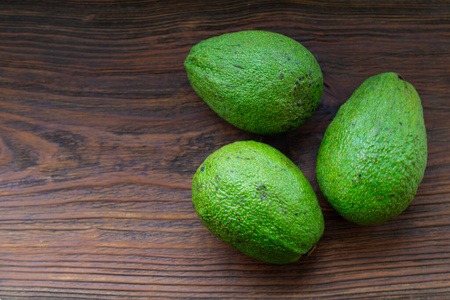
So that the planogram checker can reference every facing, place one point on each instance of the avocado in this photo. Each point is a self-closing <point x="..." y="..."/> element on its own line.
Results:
<point x="261" y="82"/>
<point x="254" y="198"/>
<point x="374" y="153"/>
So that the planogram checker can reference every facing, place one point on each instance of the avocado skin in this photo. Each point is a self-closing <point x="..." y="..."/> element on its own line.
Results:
<point x="255" y="199"/>
<point x="374" y="153"/>
<point x="259" y="81"/>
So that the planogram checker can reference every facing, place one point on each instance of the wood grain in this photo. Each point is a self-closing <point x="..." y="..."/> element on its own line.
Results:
<point x="101" y="133"/>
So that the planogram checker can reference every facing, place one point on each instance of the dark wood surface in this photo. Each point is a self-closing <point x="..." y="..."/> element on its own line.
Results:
<point x="101" y="133"/>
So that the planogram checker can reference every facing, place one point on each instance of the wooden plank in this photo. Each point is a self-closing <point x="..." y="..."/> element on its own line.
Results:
<point x="101" y="133"/>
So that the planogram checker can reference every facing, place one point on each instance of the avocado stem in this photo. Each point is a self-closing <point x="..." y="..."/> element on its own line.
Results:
<point x="311" y="250"/>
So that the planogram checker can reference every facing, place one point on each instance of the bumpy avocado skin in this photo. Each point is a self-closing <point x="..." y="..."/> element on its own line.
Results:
<point x="374" y="153"/>
<point x="259" y="81"/>
<point x="254" y="198"/>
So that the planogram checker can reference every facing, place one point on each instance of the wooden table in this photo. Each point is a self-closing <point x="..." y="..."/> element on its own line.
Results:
<point x="101" y="133"/>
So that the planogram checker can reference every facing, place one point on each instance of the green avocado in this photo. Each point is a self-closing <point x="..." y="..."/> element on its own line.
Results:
<point x="374" y="153"/>
<point x="254" y="198"/>
<point x="259" y="81"/>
